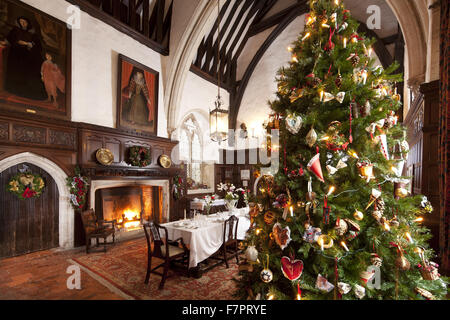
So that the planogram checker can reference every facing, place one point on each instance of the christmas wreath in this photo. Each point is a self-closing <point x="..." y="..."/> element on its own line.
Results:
<point x="78" y="187"/>
<point x="26" y="185"/>
<point x="139" y="156"/>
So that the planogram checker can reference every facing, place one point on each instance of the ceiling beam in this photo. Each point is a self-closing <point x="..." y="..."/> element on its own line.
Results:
<point x="270" y="21"/>
<point x="236" y="97"/>
<point x="380" y="49"/>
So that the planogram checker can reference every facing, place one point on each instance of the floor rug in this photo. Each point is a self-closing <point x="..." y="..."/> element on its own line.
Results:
<point x="122" y="269"/>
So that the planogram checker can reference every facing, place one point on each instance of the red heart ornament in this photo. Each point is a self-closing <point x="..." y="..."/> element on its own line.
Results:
<point x="292" y="269"/>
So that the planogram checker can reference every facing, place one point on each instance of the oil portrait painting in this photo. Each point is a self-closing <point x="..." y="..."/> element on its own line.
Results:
<point x="138" y="97"/>
<point x="34" y="61"/>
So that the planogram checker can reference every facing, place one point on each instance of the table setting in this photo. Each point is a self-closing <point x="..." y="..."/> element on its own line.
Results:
<point x="204" y="233"/>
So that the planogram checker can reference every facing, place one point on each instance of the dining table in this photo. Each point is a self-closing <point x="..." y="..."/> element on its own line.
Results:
<point x="204" y="236"/>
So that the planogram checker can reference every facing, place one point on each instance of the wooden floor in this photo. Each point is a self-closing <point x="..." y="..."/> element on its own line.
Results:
<point x="42" y="276"/>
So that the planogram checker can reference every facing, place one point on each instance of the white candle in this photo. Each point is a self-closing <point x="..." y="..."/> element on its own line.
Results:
<point x="292" y="211"/>
<point x="184" y="214"/>
<point x="345" y="42"/>
<point x="345" y="246"/>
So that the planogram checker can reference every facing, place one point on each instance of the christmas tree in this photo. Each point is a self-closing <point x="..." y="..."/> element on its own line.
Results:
<point x="337" y="221"/>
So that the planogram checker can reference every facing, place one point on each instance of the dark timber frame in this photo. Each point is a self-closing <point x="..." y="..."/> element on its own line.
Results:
<point x="147" y="21"/>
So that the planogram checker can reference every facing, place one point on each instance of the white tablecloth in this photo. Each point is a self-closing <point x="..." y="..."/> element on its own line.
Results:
<point x="205" y="241"/>
<point x="200" y="204"/>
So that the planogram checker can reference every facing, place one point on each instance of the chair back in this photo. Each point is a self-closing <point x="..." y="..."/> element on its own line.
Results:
<point x="230" y="228"/>
<point x="89" y="220"/>
<point x="153" y="235"/>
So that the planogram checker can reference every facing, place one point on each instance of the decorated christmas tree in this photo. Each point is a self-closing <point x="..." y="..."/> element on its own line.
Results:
<point x="337" y="220"/>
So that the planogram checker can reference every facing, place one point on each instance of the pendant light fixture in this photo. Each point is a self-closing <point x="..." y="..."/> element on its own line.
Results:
<point x="218" y="117"/>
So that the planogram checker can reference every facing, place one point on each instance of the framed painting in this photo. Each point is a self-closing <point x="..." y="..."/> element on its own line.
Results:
<point x="137" y="97"/>
<point x="35" y="61"/>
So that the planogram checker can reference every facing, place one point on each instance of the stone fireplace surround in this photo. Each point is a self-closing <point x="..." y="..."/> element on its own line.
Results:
<point x="117" y="183"/>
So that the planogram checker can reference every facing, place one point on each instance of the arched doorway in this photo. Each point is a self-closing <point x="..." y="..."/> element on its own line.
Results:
<point x="28" y="225"/>
<point x="65" y="211"/>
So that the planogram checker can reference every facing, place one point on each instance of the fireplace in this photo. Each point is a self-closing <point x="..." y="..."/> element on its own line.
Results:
<point x="131" y="203"/>
<point x="129" y="206"/>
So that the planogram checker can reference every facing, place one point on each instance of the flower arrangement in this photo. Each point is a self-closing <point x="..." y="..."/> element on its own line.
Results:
<point x="209" y="200"/>
<point x="26" y="185"/>
<point x="230" y="191"/>
<point x="139" y="156"/>
<point x="78" y="187"/>
<point x="247" y="196"/>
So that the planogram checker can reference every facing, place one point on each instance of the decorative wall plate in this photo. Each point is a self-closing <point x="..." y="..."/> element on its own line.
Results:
<point x="105" y="157"/>
<point x="165" y="161"/>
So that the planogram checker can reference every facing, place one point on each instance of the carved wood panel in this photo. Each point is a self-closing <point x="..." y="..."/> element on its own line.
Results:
<point x="28" y="134"/>
<point x="4" y="131"/>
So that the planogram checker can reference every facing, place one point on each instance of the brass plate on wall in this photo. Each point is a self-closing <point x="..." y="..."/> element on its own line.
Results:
<point x="164" y="161"/>
<point x="105" y="157"/>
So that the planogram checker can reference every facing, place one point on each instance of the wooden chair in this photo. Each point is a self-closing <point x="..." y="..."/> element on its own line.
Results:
<point x="97" y="229"/>
<point x="166" y="250"/>
<point x="230" y="245"/>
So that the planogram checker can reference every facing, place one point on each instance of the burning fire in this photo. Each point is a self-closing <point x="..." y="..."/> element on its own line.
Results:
<point x="131" y="221"/>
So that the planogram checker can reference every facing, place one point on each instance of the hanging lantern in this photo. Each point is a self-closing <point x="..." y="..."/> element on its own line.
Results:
<point x="218" y="121"/>
<point x="218" y="118"/>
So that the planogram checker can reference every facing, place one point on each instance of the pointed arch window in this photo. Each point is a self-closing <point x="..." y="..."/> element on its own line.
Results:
<point x="191" y="152"/>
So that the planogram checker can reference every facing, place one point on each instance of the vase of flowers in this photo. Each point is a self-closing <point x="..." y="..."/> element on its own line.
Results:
<point x="232" y="195"/>
<point x="209" y="200"/>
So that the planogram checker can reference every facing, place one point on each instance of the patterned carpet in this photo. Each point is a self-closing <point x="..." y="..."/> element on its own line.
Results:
<point x="122" y="269"/>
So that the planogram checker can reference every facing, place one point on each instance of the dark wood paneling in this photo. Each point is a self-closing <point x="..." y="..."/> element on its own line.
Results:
<point x="69" y="144"/>
<point x="423" y="164"/>
<point x="28" y="225"/>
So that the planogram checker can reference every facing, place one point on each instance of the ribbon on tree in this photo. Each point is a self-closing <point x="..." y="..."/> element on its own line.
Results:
<point x="330" y="44"/>
<point x="285" y="162"/>
<point x="350" y="138"/>
<point x="356" y="36"/>
<point x="326" y="211"/>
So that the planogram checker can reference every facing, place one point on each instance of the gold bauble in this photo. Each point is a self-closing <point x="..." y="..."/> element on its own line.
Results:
<point x="401" y="193"/>
<point x="402" y="263"/>
<point x="358" y="215"/>
<point x="326" y="240"/>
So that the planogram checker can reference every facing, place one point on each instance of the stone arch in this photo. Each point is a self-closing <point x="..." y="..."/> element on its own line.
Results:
<point x="200" y="23"/>
<point x="412" y="21"/>
<point x="66" y="212"/>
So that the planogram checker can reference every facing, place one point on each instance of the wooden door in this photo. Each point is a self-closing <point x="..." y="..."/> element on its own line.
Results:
<point x="28" y="225"/>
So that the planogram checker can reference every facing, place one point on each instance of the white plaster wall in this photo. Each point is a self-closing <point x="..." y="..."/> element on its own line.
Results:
<point x="198" y="96"/>
<point x="95" y="50"/>
<point x="262" y="85"/>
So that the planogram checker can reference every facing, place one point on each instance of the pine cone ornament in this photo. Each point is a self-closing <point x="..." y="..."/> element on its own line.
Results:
<point x="354" y="59"/>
